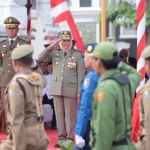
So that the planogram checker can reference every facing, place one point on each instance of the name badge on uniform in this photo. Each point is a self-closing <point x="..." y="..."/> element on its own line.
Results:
<point x="57" y="54"/>
<point x="72" y="62"/>
<point x="86" y="83"/>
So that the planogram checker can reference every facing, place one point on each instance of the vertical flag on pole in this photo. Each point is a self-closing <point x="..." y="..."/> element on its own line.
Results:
<point x="63" y="17"/>
<point x="29" y="21"/>
<point x="141" y="43"/>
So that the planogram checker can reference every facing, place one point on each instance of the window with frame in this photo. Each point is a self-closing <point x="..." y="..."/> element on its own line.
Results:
<point x="85" y="3"/>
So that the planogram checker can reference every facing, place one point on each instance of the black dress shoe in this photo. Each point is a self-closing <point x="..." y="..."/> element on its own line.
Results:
<point x="56" y="145"/>
<point x="53" y="127"/>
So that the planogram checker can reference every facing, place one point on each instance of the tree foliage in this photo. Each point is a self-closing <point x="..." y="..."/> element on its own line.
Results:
<point x="124" y="14"/>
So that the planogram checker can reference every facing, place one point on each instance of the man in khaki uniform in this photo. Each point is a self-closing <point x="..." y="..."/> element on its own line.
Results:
<point x="145" y="104"/>
<point x="6" y="47"/>
<point x="68" y="72"/>
<point x="23" y="99"/>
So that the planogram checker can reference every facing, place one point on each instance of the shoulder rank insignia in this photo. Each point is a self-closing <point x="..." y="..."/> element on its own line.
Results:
<point x="77" y="50"/>
<point x="34" y="78"/>
<point x="3" y="41"/>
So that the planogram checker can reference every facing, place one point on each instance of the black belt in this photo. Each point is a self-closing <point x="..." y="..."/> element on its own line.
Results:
<point x="121" y="142"/>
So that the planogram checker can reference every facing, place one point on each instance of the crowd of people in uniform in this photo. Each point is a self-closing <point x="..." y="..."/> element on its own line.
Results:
<point x="91" y="96"/>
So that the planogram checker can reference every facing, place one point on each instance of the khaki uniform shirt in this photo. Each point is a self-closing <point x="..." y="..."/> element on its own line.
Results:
<point x="20" y="111"/>
<point x="145" y="113"/>
<point x="6" y="62"/>
<point x="68" y="71"/>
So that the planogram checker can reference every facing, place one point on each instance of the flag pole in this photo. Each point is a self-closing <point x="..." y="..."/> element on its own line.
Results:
<point x="28" y="6"/>
<point x="141" y="44"/>
<point x="103" y="20"/>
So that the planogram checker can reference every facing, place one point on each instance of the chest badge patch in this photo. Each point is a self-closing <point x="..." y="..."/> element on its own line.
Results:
<point x="34" y="78"/>
<point x="100" y="96"/>
<point x="11" y="93"/>
<point x="147" y="94"/>
<point x="86" y="83"/>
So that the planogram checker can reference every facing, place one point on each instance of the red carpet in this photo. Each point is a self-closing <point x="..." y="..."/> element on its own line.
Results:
<point x="52" y="134"/>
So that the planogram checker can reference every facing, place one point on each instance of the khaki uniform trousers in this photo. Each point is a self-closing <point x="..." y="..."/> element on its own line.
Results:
<point x="66" y="110"/>
<point x="141" y="145"/>
<point x="2" y="95"/>
<point x="36" y="140"/>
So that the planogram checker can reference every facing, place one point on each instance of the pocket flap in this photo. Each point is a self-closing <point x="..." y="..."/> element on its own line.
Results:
<point x="72" y="80"/>
<point x="31" y="141"/>
<point x="53" y="78"/>
<point x="4" y="50"/>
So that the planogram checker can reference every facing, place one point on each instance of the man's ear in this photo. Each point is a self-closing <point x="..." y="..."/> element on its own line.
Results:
<point x="148" y="62"/>
<point x="100" y="63"/>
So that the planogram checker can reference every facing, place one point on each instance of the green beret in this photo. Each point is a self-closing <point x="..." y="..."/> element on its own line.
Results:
<point x="22" y="51"/>
<point x="104" y="50"/>
<point x="146" y="52"/>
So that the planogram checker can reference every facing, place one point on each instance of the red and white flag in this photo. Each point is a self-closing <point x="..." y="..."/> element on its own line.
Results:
<point x="63" y="17"/>
<point x="141" y="43"/>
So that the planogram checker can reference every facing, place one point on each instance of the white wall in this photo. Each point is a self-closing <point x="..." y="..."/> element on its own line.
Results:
<point x="10" y="8"/>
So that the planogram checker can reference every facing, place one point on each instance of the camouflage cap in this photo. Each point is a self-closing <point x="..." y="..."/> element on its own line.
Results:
<point x="22" y="51"/>
<point x="104" y="50"/>
<point x="146" y="52"/>
<point x="11" y="22"/>
<point x="65" y="35"/>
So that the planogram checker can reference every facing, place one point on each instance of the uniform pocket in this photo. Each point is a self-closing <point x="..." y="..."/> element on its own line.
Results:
<point x="54" y="79"/>
<point x="30" y="140"/>
<point x="4" y="51"/>
<point x="72" y="80"/>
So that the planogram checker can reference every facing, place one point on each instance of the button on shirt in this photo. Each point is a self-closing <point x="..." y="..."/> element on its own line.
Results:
<point x="46" y="90"/>
<point x="88" y="87"/>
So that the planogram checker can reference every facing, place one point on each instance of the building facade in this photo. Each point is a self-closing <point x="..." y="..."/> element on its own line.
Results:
<point x="84" y="13"/>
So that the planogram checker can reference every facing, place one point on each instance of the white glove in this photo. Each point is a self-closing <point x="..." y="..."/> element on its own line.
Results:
<point x="34" y="64"/>
<point x="80" y="141"/>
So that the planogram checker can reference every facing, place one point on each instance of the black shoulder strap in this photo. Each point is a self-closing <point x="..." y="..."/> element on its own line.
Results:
<point x="22" y="88"/>
<point x="122" y="79"/>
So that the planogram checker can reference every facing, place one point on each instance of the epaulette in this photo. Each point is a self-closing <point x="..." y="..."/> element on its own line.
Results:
<point x="3" y="40"/>
<point x="23" y="39"/>
<point x="77" y="50"/>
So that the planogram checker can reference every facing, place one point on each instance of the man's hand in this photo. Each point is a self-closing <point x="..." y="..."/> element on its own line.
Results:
<point x="78" y="96"/>
<point x="80" y="141"/>
<point x="50" y="47"/>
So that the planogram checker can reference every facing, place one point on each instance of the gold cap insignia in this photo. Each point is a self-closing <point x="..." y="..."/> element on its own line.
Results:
<point x="89" y="49"/>
<point x="10" y="20"/>
<point x="65" y="32"/>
